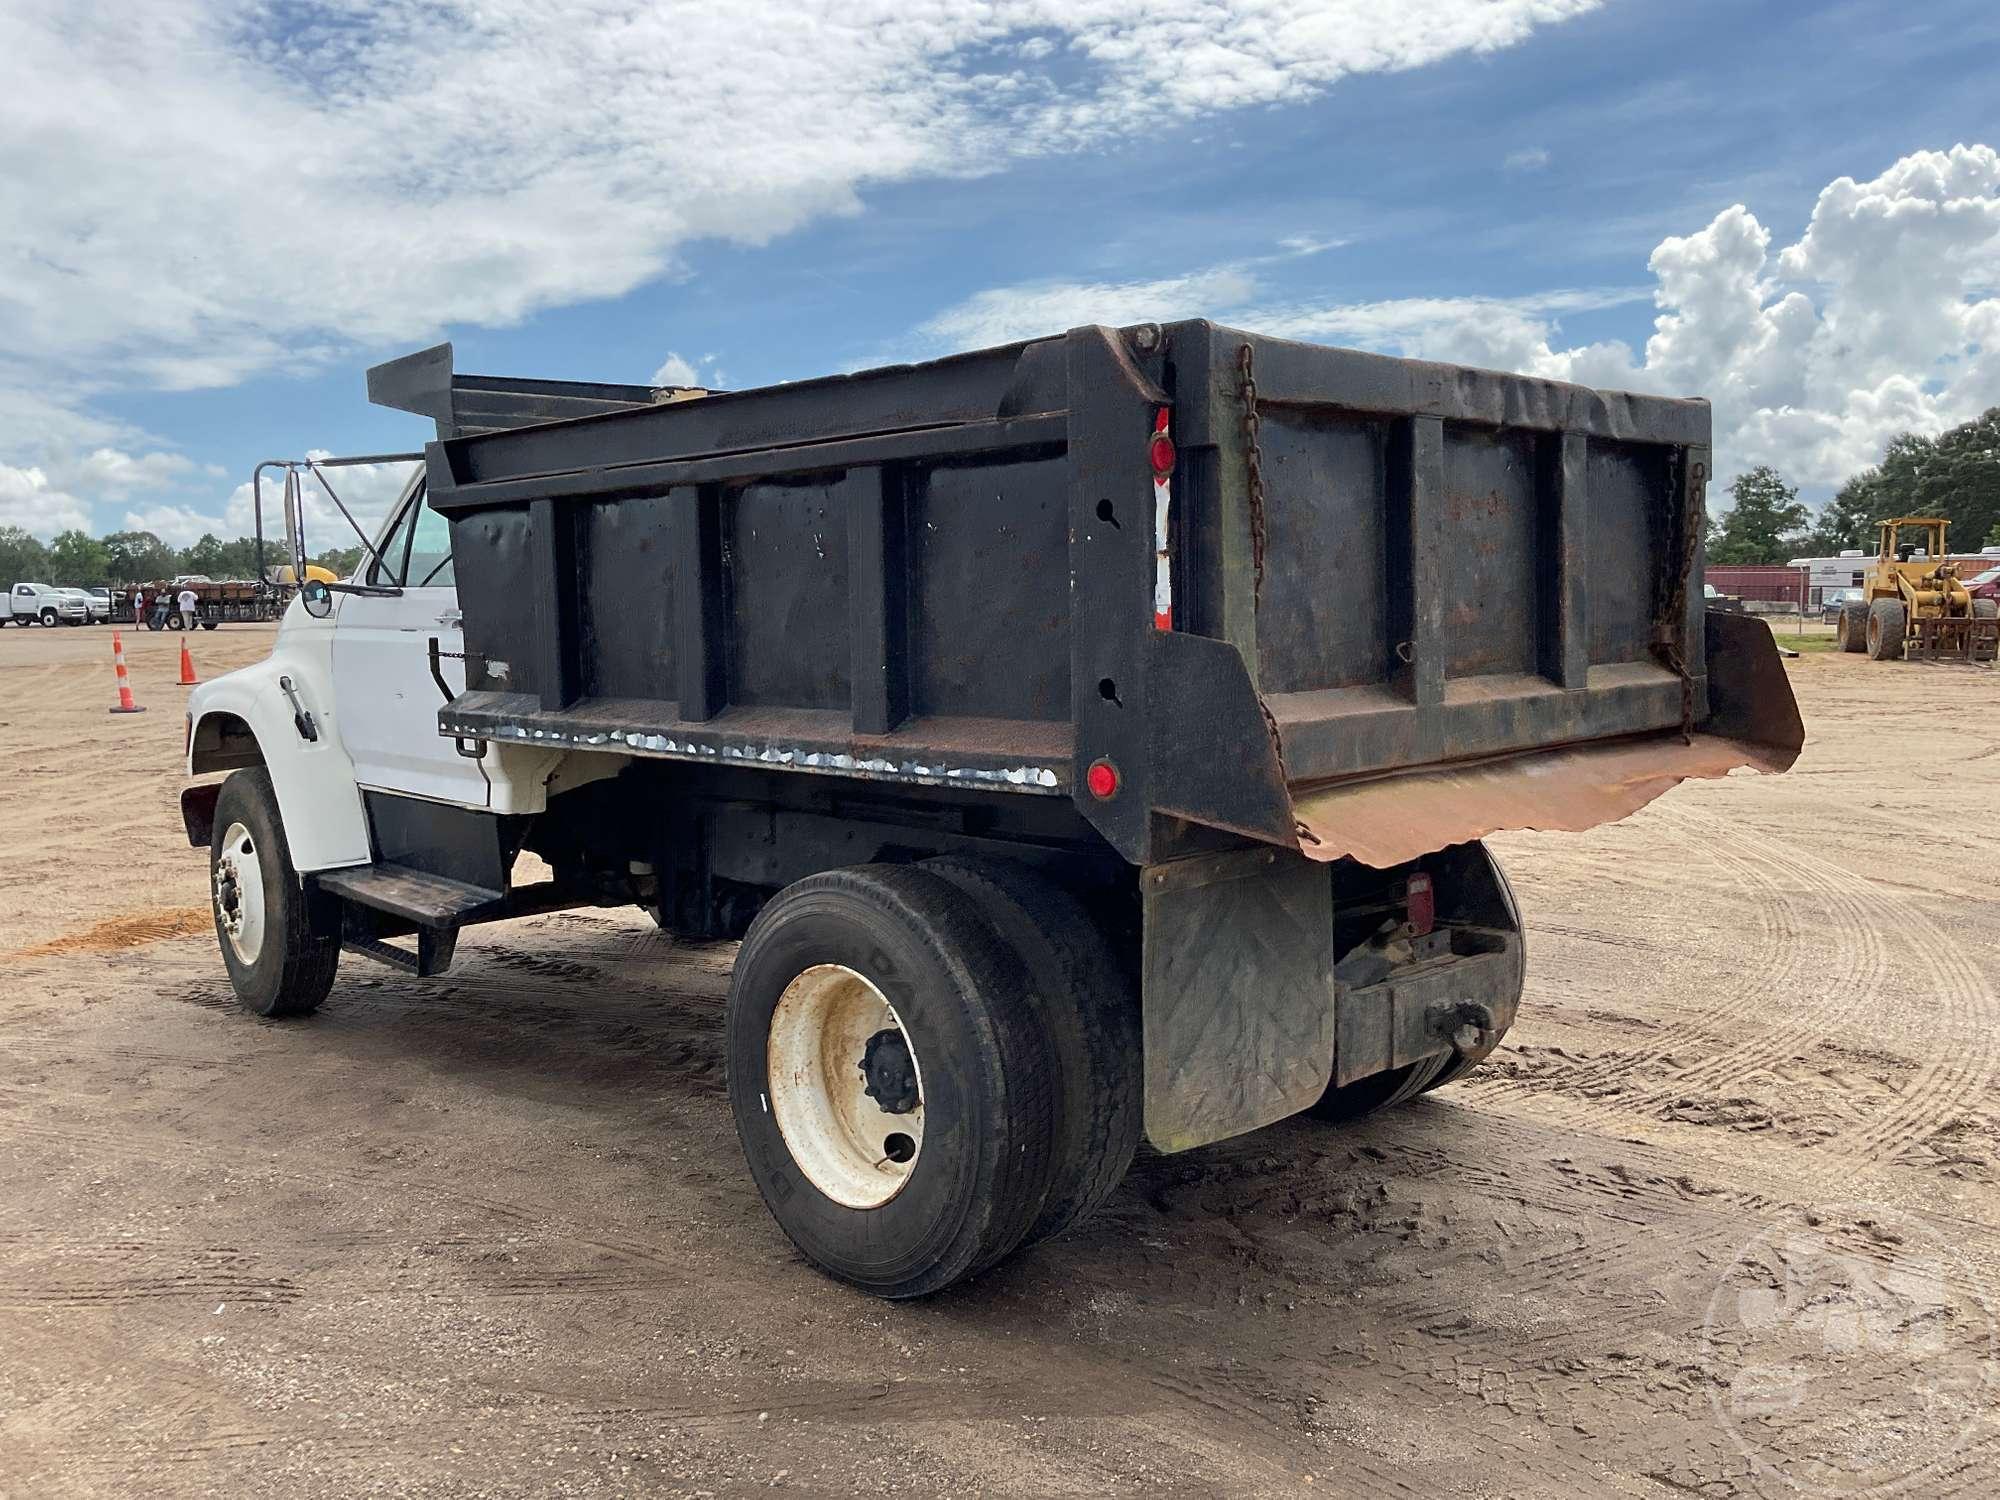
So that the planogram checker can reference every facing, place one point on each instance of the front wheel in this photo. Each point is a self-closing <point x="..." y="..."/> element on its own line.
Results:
<point x="48" y="617"/>
<point x="892" y="1088"/>
<point x="280" y="951"/>
<point x="208" y="624"/>
<point x="1886" y="628"/>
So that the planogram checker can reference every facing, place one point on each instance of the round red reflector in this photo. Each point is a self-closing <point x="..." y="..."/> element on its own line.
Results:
<point x="1163" y="455"/>
<point x="1102" y="778"/>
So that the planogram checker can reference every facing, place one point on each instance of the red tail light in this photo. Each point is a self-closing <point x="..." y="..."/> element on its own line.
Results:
<point x="1421" y="904"/>
<point x="1163" y="445"/>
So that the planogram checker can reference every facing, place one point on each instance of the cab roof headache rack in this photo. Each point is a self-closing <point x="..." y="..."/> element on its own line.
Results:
<point x="467" y="405"/>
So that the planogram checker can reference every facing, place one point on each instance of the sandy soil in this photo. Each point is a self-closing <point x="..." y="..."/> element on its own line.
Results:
<point x="1723" y="1218"/>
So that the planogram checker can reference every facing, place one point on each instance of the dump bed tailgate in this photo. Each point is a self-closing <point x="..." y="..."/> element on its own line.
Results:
<point x="1431" y="567"/>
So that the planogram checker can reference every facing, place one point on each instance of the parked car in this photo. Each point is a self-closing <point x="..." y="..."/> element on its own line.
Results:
<point x="100" y="600"/>
<point x="29" y="603"/>
<point x="1984" y="585"/>
<point x="95" y="610"/>
<point x="1832" y="602"/>
<point x="1716" y="599"/>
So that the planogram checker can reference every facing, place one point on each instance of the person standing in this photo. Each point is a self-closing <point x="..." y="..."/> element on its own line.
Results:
<point x="138" y="606"/>
<point x="188" y="602"/>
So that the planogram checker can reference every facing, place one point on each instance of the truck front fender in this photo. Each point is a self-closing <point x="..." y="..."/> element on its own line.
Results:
<point x="246" y="718"/>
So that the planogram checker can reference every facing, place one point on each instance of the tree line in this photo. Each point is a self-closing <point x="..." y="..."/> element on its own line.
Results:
<point x="75" y="559"/>
<point x="1955" y="475"/>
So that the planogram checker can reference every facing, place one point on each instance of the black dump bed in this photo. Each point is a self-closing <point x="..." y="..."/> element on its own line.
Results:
<point x="1360" y="604"/>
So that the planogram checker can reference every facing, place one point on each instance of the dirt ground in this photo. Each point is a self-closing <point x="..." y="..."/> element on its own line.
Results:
<point x="1723" y="1217"/>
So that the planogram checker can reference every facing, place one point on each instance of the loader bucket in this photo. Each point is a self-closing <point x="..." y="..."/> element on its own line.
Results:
<point x="1753" y="721"/>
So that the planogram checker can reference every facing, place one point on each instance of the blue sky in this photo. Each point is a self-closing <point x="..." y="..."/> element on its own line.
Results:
<point x="1497" y="204"/>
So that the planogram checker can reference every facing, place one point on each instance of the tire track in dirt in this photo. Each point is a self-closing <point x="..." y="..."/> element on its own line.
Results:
<point x="1779" y="936"/>
<point x="1951" y="1075"/>
<point x="1849" y="992"/>
<point x="625" y="1246"/>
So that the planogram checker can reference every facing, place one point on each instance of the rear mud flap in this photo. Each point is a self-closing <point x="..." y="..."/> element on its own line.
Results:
<point x="1753" y="722"/>
<point x="1239" y="1015"/>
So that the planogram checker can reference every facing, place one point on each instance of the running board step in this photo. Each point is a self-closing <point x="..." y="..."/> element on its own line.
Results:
<point x="429" y="901"/>
<point x="432" y="955"/>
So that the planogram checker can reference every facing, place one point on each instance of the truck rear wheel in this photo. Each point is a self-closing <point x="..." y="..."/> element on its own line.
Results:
<point x="892" y="1084"/>
<point x="1885" y="630"/>
<point x="1086" y="1003"/>
<point x="1380" y="1091"/>
<point x="278" y="960"/>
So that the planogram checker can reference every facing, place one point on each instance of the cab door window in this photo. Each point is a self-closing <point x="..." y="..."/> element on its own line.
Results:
<point x="416" y="550"/>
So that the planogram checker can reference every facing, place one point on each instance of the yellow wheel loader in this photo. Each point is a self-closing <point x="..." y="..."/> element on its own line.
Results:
<point x="1914" y="603"/>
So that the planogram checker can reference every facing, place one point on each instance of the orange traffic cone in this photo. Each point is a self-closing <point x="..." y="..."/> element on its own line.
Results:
<point x="125" y="703"/>
<point x="188" y="679"/>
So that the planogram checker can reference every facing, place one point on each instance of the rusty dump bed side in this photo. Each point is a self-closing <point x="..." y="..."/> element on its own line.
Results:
<point x="1368" y="606"/>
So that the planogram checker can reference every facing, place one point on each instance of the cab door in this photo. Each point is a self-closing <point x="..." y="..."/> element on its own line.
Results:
<point x="385" y="699"/>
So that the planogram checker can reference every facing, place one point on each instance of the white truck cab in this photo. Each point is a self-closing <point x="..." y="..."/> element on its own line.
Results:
<point x="346" y="703"/>
<point x="41" y="603"/>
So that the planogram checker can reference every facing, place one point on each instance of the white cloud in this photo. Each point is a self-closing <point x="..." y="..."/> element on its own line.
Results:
<point x="1884" y="317"/>
<point x="29" y="501"/>
<point x="1527" y="159"/>
<point x="678" y="370"/>
<point x="1003" y="314"/>
<point x="192" y="190"/>
<point x="115" y="472"/>
<point x="674" y="370"/>
<point x="176" y="525"/>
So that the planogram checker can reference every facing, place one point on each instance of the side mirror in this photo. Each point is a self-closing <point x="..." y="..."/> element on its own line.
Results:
<point x="317" y="598"/>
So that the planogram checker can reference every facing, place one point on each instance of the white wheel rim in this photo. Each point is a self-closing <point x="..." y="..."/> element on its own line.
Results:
<point x="849" y="1146"/>
<point x="239" y="893"/>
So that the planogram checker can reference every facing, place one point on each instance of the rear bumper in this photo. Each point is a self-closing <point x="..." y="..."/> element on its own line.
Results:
<point x="1413" y="1015"/>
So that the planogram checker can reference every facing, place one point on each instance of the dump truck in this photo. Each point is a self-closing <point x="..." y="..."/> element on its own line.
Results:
<point x="1912" y="601"/>
<point x="1080" y="737"/>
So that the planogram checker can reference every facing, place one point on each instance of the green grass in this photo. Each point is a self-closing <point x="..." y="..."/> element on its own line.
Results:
<point x="1804" y="642"/>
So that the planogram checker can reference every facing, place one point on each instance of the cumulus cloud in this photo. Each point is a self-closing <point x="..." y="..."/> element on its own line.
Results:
<point x="1003" y="314"/>
<point x="1884" y="317"/>
<point x="704" y="372"/>
<point x="29" y="501"/>
<point x="176" y="525"/>
<point x="306" y="178"/>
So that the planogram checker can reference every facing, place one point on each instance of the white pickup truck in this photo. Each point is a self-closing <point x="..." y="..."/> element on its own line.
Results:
<point x="28" y="603"/>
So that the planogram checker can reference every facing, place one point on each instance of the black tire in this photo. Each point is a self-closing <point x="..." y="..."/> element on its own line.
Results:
<point x="1086" y="1002"/>
<point x="154" y="622"/>
<point x="1380" y="1091"/>
<point x="174" y="621"/>
<point x="209" y="624"/>
<point x="1852" y="627"/>
<point x="981" y="1174"/>
<point x="1885" y="630"/>
<point x="49" y="617"/>
<point x="294" y="966"/>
